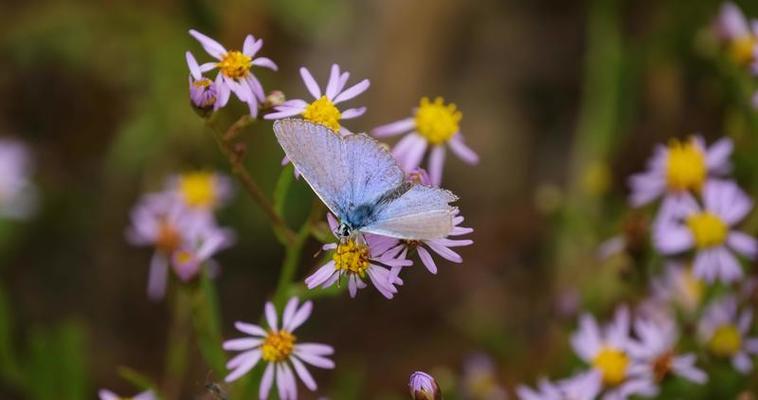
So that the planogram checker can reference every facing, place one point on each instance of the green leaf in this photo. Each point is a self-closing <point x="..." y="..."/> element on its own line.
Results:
<point x="56" y="368"/>
<point x="282" y="188"/>
<point x="207" y="322"/>
<point x="136" y="378"/>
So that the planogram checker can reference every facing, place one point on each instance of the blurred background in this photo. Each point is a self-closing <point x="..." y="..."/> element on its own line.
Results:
<point x="562" y="101"/>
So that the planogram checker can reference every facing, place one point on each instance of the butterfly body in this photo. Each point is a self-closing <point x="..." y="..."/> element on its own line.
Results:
<point x="362" y="184"/>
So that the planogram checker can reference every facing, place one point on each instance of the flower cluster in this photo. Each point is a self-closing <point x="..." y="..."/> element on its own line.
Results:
<point x="179" y="223"/>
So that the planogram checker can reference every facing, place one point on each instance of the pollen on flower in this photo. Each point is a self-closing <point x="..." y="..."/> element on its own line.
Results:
<point x="726" y="341"/>
<point x="168" y="239"/>
<point x="741" y="49"/>
<point x="707" y="229"/>
<point x="351" y="257"/>
<point x="323" y="111"/>
<point x="183" y="257"/>
<point x="437" y="121"/>
<point x="198" y="189"/>
<point x="612" y="364"/>
<point x="685" y="166"/>
<point x="277" y="346"/>
<point x="234" y="64"/>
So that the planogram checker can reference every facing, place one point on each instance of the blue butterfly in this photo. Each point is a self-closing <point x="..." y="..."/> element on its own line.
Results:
<point x="361" y="183"/>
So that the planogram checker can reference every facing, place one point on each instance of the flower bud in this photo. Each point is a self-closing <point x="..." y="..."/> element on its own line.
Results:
<point x="275" y="98"/>
<point x="423" y="387"/>
<point x="203" y="96"/>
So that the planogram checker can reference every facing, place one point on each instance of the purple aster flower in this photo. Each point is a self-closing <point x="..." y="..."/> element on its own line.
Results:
<point x="235" y="70"/>
<point x="607" y="351"/>
<point x="655" y="348"/>
<point x="105" y="394"/>
<point x="162" y="221"/>
<point x="724" y="332"/>
<point x="360" y="257"/>
<point x="196" y="252"/>
<point x="708" y="231"/>
<point x="424" y="387"/>
<point x="201" y="190"/>
<point x="323" y="109"/>
<point x="738" y="34"/>
<point x="677" y="170"/>
<point x="203" y="93"/>
<point x="280" y="350"/>
<point x="434" y="124"/>
<point x="18" y="196"/>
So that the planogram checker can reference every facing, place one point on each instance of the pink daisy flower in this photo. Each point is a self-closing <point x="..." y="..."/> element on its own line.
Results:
<point x="323" y="109"/>
<point x="433" y="124"/>
<point x="18" y="196"/>
<point x="364" y="256"/>
<point x="235" y="70"/>
<point x="724" y="332"/>
<point x="607" y="351"/>
<point x="738" y="34"/>
<point x="676" y="170"/>
<point x="708" y="231"/>
<point x="280" y="350"/>
<point x="655" y="348"/>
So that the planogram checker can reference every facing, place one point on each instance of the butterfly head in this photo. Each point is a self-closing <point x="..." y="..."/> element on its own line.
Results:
<point x="344" y="230"/>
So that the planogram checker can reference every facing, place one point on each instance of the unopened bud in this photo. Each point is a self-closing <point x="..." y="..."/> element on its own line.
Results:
<point x="423" y="387"/>
<point x="275" y="98"/>
<point x="203" y="96"/>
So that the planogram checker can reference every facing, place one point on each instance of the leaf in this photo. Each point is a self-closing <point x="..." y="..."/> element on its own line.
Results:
<point x="57" y="369"/>
<point x="136" y="378"/>
<point x="207" y="323"/>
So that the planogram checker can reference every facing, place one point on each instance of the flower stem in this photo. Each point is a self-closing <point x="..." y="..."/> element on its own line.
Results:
<point x="234" y="155"/>
<point x="178" y="344"/>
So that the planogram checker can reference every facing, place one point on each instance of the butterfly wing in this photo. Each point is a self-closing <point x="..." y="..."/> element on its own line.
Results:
<point x="344" y="171"/>
<point x="319" y="156"/>
<point x="420" y="213"/>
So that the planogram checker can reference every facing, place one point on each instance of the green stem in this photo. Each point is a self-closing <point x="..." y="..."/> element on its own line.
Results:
<point x="178" y="343"/>
<point x="234" y="155"/>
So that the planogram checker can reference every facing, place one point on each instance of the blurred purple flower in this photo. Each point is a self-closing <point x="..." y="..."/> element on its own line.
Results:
<point x="739" y="34"/>
<point x="655" y="348"/>
<point x="708" y="231"/>
<point x="105" y="394"/>
<point x="678" y="169"/>
<point x="545" y="390"/>
<point x="607" y="351"/>
<point x="201" y="191"/>
<point x="724" y="332"/>
<point x="161" y="220"/>
<point x="323" y="110"/>
<point x="678" y="286"/>
<point x="423" y="386"/>
<point x="18" y="196"/>
<point x="235" y="70"/>
<point x="203" y="93"/>
<point x="433" y="123"/>
<point x="280" y="350"/>
<point x="360" y="257"/>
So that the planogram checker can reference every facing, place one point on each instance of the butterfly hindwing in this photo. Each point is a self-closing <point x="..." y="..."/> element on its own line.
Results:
<point x="420" y="213"/>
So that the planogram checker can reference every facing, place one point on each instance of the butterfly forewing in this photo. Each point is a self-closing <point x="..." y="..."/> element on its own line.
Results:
<point x="319" y="156"/>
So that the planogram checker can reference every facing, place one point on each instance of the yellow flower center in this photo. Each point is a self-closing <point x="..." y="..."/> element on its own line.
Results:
<point x="234" y="64"/>
<point x="612" y="364"/>
<point x="707" y="229"/>
<point x="741" y="49"/>
<point x="198" y="189"/>
<point x="168" y="239"/>
<point x="351" y="257"/>
<point x="183" y="257"/>
<point x="685" y="166"/>
<point x="726" y="341"/>
<point x="323" y="111"/>
<point x="277" y="346"/>
<point x="437" y="121"/>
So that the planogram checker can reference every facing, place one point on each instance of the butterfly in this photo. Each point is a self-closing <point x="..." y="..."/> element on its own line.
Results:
<point x="362" y="184"/>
